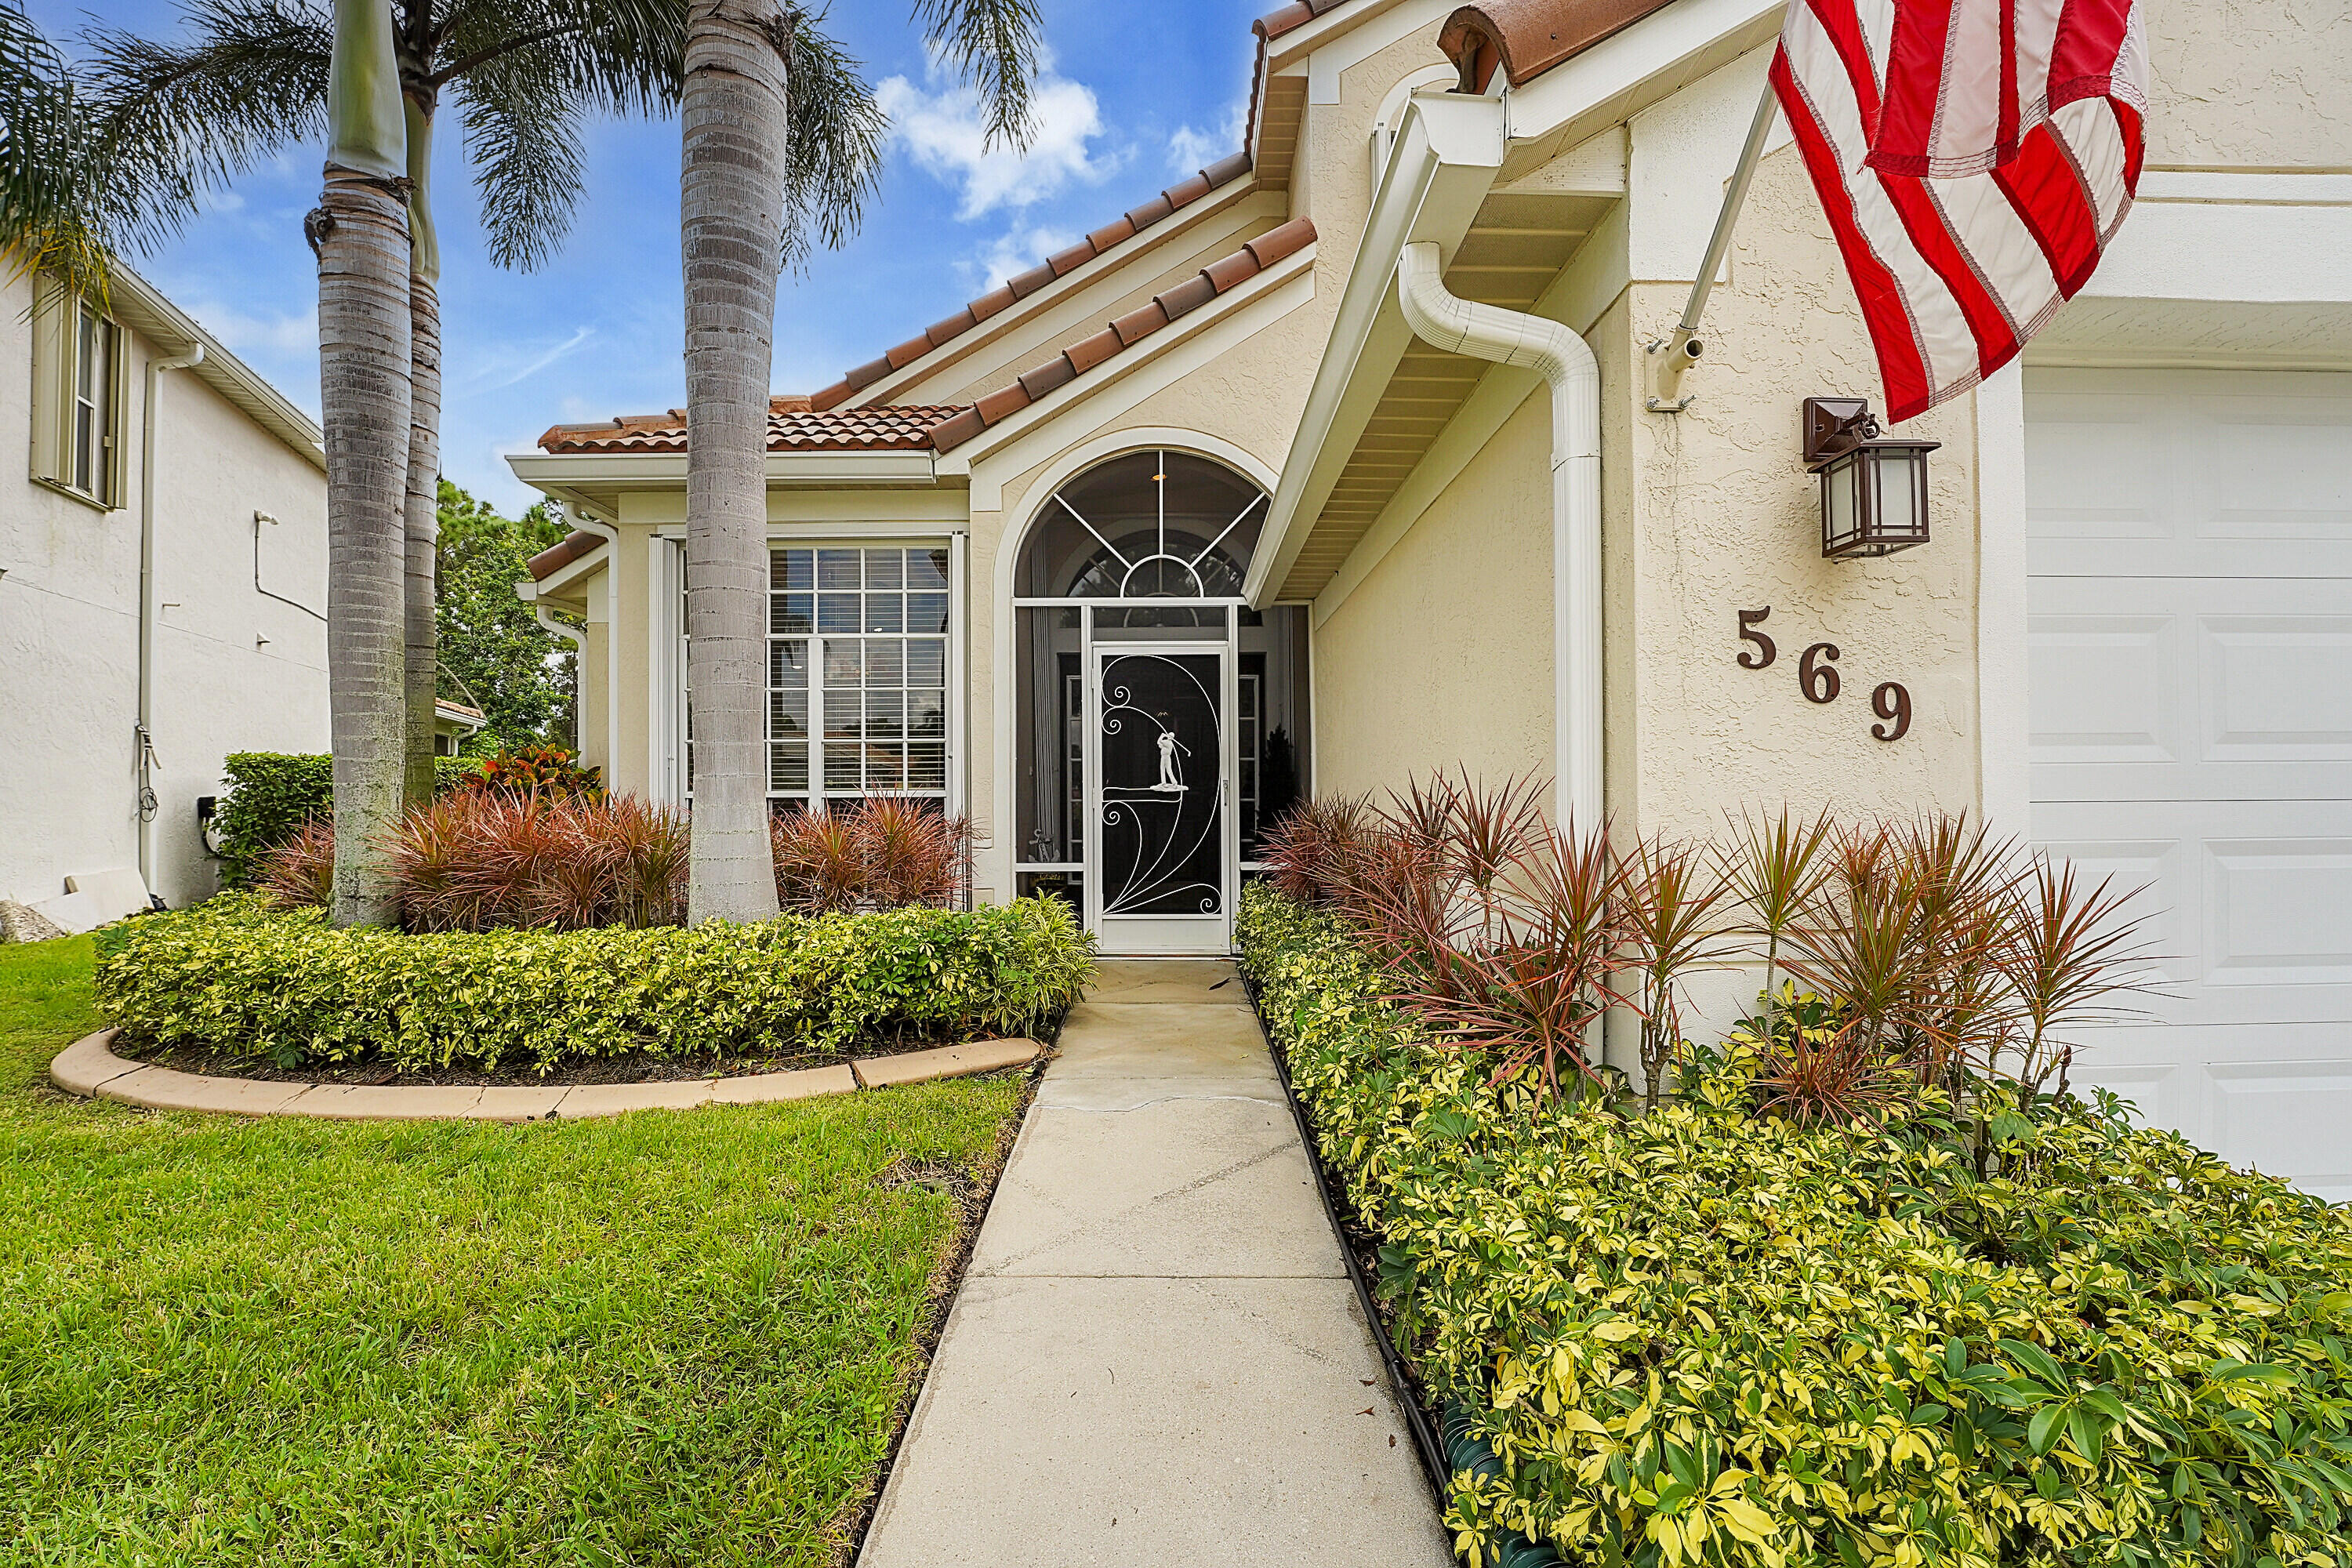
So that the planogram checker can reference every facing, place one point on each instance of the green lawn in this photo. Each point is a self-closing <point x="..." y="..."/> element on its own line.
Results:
<point x="668" y="1338"/>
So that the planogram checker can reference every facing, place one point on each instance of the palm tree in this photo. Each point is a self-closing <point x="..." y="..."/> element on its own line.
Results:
<point x="51" y="187"/>
<point x="259" y="76"/>
<point x="780" y="140"/>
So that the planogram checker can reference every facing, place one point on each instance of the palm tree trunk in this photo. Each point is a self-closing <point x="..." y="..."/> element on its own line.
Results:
<point x="732" y="183"/>
<point x="359" y="231"/>
<point x="421" y="523"/>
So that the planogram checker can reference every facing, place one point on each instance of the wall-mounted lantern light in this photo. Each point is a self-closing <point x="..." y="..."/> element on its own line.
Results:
<point x="1874" y="493"/>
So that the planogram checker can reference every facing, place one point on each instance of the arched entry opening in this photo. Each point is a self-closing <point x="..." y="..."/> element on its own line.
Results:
<point x="1161" y="720"/>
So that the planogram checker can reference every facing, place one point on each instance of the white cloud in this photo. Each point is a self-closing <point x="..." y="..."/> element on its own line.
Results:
<point x="502" y="366"/>
<point x="1189" y="149"/>
<point x="944" y="127"/>
<point x="1015" y="250"/>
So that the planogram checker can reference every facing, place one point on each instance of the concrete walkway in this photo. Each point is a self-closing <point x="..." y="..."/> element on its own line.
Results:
<point x="1157" y="1358"/>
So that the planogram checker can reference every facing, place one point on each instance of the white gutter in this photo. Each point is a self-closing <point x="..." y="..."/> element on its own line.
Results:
<point x="145" y="736"/>
<point x="1565" y="361"/>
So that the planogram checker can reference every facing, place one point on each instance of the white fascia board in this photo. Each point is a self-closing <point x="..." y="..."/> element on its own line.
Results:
<point x="1440" y="168"/>
<point x="1626" y="71"/>
<point x="1324" y="63"/>
<point x="143" y="308"/>
<point x="1296" y="46"/>
<point x="557" y="583"/>
<point x="2207" y="248"/>
<point x="552" y="471"/>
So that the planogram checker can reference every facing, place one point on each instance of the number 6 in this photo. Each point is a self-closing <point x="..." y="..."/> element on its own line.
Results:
<point x="1890" y="702"/>
<point x="1818" y="682"/>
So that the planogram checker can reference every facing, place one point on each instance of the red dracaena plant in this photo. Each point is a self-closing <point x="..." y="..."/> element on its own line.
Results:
<point x="2068" y="951"/>
<point x="819" y="862"/>
<point x="1961" y="877"/>
<point x="1672" y="907"/>
<point x="1775" y="865"/>
<point x="1308" y="855"/>
<point x="914" y="855"/>
<point x="482" y="861"/>
<point x="1524" y="976"/>
<point x="300" y="872"/>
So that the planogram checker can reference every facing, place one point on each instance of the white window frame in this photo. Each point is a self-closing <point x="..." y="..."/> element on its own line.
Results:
<point x="60" y="449"/>
<point x="668" y="675"/>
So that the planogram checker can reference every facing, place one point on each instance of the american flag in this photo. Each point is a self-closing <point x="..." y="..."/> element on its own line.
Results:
<point x="1975" y="157"/>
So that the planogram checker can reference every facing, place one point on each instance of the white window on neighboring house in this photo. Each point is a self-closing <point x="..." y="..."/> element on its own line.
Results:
<point x="78" y="405"/>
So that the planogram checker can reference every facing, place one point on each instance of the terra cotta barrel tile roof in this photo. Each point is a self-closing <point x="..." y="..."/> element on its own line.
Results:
<point x="792" y="426"/>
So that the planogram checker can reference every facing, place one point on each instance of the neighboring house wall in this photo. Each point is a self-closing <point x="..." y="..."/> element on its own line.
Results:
<point x="234" y="670"/>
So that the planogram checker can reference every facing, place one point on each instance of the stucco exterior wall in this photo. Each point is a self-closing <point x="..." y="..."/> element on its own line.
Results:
<point x="2235" y="83"/>
<point x="1725" y="518"/>
<point x="235" y="668"/>
<point x="1443" y="656"/>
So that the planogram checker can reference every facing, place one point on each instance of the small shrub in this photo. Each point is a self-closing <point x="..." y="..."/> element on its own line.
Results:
<point x="237" y="976"/>
<point x="878" y="854"/>
<point x="544" y="771"/>
<point x="272" y="795"/>
<point x="300" y="872"/>
<point x="1704" y="1336"/>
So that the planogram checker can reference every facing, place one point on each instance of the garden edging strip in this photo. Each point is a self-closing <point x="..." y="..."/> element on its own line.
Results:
<point x="89" y="1067"/>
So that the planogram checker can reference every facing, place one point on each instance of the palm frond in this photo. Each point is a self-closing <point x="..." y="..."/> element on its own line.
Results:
<point x="836" y="148"/>
<point x="523" y="137"/>
<point x="51" y="188"/>
<point x="178" y="120"/>
<point x="993" y="44"/>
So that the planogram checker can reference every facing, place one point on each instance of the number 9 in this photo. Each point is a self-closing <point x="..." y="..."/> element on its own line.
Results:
<point x="1890" y="702"/>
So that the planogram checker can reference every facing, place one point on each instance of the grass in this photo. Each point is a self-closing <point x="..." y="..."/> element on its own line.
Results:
<point x="666" y="1338"/>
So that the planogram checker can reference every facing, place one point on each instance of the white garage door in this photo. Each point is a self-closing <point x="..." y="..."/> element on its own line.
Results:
<point x="2191" y="633"/>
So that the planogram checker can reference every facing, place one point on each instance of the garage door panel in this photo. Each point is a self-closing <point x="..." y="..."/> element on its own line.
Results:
<point x="2247" y="906"/>
<point x="2173" y="689"/>
<point x="2222" y="474"/>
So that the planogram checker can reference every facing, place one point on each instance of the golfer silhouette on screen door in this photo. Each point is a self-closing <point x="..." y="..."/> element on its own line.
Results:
<point x="1170" y="778"/>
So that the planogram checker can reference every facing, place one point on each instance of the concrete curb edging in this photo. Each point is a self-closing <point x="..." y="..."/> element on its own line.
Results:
<point x="89" y="1067"/>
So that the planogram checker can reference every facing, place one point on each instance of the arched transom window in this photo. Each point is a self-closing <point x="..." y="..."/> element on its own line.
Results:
<point x="1148" y="525"/>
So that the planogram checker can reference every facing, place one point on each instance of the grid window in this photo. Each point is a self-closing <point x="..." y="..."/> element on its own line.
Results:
<point x="858" y="672"/>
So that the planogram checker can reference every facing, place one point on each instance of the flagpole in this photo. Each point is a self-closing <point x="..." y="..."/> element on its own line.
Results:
<point x="1678" y="353"/>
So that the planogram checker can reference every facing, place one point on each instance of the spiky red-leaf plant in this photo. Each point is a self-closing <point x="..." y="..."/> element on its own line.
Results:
<point x="1672" y="912"/>
<point x="1311" y="847"/>
<point x="2070" y="949"/>
<point x="300" y="872"/>
<point x="820" y="861"/>
<point x="913" y="854"/>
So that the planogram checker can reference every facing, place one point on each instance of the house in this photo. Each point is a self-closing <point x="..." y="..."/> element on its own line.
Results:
<point x="1196" y="518"/>
<point x="163" y="587"/>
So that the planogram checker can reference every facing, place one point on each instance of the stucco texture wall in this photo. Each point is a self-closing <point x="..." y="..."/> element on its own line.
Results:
<point x="1725" y="518"/>
<point x="235" y="670"/>
<point x="1443" y="656"/>
<point x="2253" y="84"/>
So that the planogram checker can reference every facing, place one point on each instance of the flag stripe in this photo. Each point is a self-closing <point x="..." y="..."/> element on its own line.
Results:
<point x="1970" y="171"/>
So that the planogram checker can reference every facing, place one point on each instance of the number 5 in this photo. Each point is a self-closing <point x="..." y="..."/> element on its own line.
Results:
<point x="1764" y="652"/>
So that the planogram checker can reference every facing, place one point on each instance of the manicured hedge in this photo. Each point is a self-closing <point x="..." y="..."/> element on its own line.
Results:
<point x="1705" y="1336"/>
<point x="272" y="794"/>
<point x="238" y="976"/>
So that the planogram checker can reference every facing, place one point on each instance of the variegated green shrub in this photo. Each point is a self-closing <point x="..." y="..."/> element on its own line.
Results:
<point x="236" y="976"/>
<point x="1705" y="1336"/>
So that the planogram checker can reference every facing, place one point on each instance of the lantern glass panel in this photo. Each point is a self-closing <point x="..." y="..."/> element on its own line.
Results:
<point x="1897" y="514"/>
<point x="1841" y="504"/>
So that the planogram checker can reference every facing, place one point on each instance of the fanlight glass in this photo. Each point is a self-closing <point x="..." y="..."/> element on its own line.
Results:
<point x="1148" y="525"/>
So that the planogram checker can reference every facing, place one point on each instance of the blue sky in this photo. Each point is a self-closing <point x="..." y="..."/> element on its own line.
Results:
<point x="1138" y="93"/>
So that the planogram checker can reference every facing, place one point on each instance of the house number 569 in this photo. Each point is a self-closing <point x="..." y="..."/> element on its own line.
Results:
<point x="1817" y="675"/>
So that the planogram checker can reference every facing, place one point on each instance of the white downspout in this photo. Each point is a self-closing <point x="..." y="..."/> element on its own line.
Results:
<point x="1565" y="361"/>
<point x="144" y="739"/>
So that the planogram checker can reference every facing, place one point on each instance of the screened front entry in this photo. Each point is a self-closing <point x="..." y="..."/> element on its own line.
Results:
<point x="1160" y="718"/>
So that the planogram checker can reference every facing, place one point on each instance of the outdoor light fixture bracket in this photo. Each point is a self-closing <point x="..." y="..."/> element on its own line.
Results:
<point x="1836" y="426"/>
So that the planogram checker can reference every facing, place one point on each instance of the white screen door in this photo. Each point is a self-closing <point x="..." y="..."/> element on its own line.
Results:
<point x="1160" y="856"/>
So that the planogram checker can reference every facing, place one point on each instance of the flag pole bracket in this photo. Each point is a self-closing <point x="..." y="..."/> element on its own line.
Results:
<point x="1679" y="351"/>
